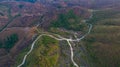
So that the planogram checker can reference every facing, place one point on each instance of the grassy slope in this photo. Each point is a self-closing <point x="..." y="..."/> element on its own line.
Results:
<point x="103" y="44"/>
<point x="45" y="53"/>
<point x="20" y="57"/>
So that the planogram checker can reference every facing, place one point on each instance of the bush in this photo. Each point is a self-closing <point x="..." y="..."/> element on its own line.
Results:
<point x="10" y="41"/>
<point x="1" y="44"/>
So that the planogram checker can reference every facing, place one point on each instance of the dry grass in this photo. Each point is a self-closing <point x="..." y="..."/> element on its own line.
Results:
<point x="103" y="43"/>
<point x="103" y="46"/>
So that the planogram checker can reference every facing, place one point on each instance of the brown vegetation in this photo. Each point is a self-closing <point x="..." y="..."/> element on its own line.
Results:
<point x="25" y="38"/>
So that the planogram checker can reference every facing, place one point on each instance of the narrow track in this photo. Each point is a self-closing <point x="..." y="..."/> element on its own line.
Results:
<point x="60" y="39"/>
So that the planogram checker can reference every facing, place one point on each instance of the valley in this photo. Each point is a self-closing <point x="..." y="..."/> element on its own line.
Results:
<point x="50" y="33"/>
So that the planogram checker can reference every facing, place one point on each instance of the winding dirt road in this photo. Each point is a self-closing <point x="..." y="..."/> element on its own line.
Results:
<point x="60" y="39"/>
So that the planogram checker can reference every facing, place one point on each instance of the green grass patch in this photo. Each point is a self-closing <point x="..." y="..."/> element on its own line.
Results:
<point x="44" y="54"/>
<point x="21" y="55"/>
